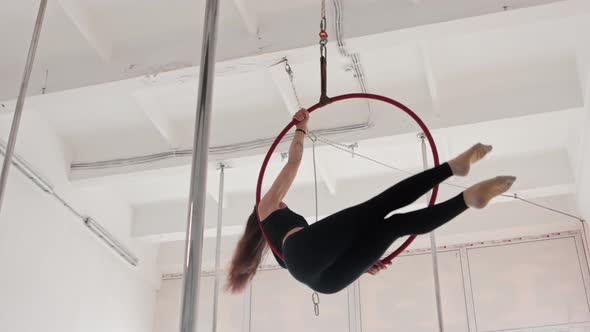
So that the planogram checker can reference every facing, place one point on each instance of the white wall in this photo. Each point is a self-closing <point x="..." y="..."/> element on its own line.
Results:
<point x="55" y="275"/>
<point x="230" y="315"/>
<point x="584" y="168"/>
<point x="529" y="285"/>
<point x="404" y="295"/>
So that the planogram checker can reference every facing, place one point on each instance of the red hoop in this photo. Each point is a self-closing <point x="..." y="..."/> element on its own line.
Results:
<point x="397" y="104"/>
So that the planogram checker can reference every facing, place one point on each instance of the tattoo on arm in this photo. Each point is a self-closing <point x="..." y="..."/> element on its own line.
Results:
<point x="296" y="151"/>
<point x="283" y="182"/>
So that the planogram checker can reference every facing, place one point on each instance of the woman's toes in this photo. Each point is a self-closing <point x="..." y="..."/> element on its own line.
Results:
<point x="479" y="195"/>
<point x="462" y="164"/>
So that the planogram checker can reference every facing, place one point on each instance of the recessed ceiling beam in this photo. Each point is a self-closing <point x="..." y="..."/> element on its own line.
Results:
<point x="425" y="54"/>
<point x="324" y="176"/>
<point x="158" y="118"/>
<point x="248" y="17"/>
<point x="82" y="18"/>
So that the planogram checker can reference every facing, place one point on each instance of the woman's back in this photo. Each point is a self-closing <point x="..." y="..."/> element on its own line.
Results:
<point x="278" y="224"/>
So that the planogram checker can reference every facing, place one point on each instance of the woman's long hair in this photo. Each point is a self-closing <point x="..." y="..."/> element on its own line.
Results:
<point x="247" y="256"/>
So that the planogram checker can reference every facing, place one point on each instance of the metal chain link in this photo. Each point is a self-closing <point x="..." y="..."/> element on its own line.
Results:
<point x="292" y="80"/>
<point x="323" y="27"/>
<point x="323" y="17"/>
<point x="315" y="297"/>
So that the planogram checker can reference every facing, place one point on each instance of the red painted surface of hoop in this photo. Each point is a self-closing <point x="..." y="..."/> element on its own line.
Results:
<point x="317" y="106"/>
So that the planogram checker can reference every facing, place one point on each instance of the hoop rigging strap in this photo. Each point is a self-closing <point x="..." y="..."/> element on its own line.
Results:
<point x="319" y="105"/>
<point x="324" y="99"/>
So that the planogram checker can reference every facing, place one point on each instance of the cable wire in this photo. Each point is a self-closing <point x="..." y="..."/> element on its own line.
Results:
<point x="315" y="180"/>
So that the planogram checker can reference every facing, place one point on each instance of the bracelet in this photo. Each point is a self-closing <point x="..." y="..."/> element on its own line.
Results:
<point x="301" y="130"/>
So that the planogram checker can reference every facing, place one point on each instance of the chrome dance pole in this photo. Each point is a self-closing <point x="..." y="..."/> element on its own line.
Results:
<point x="198" y="184"/>
<point x="9" y="152"/>
<point x="218" y="245"/>
<point x="439" y="313"/>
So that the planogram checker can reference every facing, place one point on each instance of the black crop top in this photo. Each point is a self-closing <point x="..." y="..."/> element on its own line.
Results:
<point x="278" y="224"/>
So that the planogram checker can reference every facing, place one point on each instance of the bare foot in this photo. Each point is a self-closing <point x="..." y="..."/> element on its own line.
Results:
<point x="478" y="196"/>
<point x="462" y="164"/>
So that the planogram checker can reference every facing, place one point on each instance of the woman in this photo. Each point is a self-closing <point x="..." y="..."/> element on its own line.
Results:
<point x="332" y="253"/>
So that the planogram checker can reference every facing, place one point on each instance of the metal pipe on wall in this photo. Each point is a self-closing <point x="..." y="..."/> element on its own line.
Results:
<point x="9" y="153"/>
<point x="27" y="170"/>
<point x="213" y="150"/>
<point x="43" y="184"/>
<point x="198" y="183"/>
<point x="218" y="244"/>
<point x="433" y="250"/>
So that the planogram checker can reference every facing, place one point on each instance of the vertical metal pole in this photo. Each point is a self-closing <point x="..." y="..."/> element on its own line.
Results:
<point x="354" y="307"/>
<point x="198" y="184"/>
<point x="21" y="100"/>
<point x="468" y="289"/>
<point x="247" y="312"/>
<point x="218" y="245"/>
<point x="439" y="313"/>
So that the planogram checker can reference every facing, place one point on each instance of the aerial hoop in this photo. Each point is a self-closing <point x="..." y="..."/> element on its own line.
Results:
<point x="319" y="105"/>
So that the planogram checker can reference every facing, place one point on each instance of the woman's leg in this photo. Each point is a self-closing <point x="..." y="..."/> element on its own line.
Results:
<point x="406" y="192"/>
<point x="360" y="231"/>
<point x="367" y="251"/>
<point x="330" y="238"/>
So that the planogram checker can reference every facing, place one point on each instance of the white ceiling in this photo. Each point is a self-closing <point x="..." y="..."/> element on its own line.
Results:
<point x="93" y="42"/>
<point x="122" y="83"/>
<point x="491" y="76"/>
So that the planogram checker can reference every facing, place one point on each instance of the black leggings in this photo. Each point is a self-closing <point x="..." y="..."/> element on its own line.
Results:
<point x="332" y="253"/>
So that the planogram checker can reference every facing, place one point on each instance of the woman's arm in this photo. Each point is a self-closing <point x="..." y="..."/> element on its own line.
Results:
<point x="272" y="199"/>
